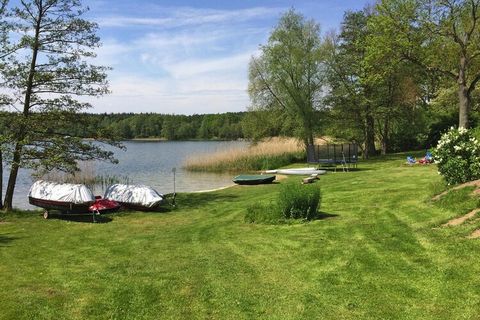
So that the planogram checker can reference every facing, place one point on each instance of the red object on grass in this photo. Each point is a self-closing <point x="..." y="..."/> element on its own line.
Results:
<point x="425" y="161"/>
<point x="104" y="205"/>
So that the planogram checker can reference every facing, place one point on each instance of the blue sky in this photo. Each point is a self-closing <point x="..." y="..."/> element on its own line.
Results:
<point x="190" y="56"/>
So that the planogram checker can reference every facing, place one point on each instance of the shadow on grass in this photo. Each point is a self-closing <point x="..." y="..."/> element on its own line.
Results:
<point x="340" y="170"/>
<point x="80" y="218"/>
<point x="161" y="209"/>
<point x="195" y="200"/>
<point x="5" y="239"/>
<point x="324" y="215"/>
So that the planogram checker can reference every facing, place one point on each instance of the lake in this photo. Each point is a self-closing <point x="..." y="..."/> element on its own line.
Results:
<point x="149" y="163"/>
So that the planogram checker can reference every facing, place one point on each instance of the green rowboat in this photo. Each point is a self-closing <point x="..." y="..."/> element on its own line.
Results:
<point x="253" y="179"/>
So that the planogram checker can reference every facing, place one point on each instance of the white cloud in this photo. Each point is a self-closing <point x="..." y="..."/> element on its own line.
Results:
<point x="234" y="63"/>
<point x="111" y="53"/>
<point x="200" y="66"/>
<point x="132" y="94"/>
<point x="186" y="16"/>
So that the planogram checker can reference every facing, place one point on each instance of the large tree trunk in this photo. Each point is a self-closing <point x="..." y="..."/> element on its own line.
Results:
<point x="385" y="136"/>
<point x="17" y="154"/>
<point x="12" y="179"/>
<point x="308" y="135"/>
<point x="369" y="136"/>
<point x="1" y="179"/>
<point x="464" y="106"/>
<point x="463" y="96"/>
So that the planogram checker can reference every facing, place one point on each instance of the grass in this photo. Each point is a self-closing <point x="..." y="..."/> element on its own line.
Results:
<point x="271" y="153"/>
<point x="379" y="253"/>
<point x="460" y="201"/>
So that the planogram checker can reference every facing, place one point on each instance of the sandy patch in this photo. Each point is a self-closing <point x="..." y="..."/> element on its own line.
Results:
<point x="211" y="190"/>
<point x="462" y="219"/>
<point x="475" y="234"/>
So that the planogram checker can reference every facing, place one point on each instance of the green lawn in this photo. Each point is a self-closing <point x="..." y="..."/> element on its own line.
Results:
<point x="379" y="255"/>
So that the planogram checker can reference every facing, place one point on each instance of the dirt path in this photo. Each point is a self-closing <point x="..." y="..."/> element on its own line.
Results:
<point x="462" y="219"/>
<point x="475" y="234"/>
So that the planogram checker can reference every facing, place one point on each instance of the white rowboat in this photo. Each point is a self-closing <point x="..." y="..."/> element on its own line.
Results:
<point x="297" y="171"/>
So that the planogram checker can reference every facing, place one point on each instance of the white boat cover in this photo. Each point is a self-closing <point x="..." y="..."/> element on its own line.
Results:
<point x="134" y="194"/>
<point x="64" y="192"/>
<point x="298" y="171"/>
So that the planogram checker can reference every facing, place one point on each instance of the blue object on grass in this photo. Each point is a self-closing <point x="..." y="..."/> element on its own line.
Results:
<point x="428" y="156"/>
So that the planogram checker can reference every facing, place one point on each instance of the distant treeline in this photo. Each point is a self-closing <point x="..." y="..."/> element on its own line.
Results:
<point x="225" y="126"/>
<point x="422" y="131"/>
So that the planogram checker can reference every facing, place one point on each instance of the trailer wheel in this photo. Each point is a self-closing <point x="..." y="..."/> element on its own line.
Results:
<point x="45" y="214"/>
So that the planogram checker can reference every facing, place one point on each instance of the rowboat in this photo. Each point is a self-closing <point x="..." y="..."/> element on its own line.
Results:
<point x="64" y="197"/>
<point x="253" y="179"/>
<point x="297" y="171"/>
<point x="135" y="197"/>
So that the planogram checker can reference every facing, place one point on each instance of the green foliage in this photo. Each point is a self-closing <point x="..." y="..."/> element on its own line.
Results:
<point x="225" y="126"/>
<point x="294" y="201"/>
<point x="47" y="68"/>
<point x="288" y="78"/>
<point x="457" y="156"/>
<point x="298" y="201"/>
<point x="440" y="37"/>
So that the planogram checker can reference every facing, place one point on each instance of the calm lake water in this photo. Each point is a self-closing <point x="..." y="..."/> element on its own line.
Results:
<point x="150" y="163"/>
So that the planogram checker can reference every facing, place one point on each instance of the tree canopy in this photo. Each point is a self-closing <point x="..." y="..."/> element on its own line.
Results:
<point x="288" y="76"/>
<point x="45" y="71"/>
<point x="440" y="36"/>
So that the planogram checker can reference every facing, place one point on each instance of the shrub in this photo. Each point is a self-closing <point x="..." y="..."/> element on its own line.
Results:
<point x="297" y="201"/>
<point x="458" y="156"/>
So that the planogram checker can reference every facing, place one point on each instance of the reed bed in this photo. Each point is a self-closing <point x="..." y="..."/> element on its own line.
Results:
<point x="268" y="154"/>
<point x="86" y="175"/>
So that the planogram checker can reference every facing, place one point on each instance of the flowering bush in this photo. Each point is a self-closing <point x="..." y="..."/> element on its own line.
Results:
<point x="458" y="156"/>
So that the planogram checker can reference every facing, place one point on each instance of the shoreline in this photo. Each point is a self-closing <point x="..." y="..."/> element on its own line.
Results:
<point x="212" y="190"/>
<point x="166" y="140"/>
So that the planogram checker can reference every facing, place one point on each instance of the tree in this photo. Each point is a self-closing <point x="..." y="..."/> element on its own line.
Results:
<point x="441" y="36"/>
<point x="47" y="74"/>
<point x="4" y="100"/>
<point x="288" y="77"/>
<point x="371" y="95"/>
<point x="351" y="96"/>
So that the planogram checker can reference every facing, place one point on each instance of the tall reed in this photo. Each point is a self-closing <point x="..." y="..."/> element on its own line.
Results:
<point x="86" y="175"/>
<point x="268" y="154"/>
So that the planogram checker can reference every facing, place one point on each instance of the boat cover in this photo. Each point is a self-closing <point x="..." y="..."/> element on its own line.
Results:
<point x="63" y="192"/>
<point x="134" y="194"/>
